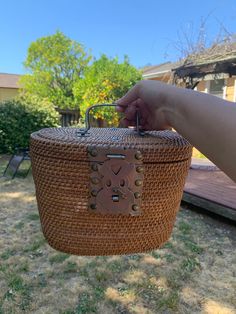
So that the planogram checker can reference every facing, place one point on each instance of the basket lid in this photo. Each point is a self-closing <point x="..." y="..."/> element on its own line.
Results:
<point x="66" y="143"/>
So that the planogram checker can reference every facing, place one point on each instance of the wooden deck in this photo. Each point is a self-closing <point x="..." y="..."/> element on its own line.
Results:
<point x="211" y="190"/>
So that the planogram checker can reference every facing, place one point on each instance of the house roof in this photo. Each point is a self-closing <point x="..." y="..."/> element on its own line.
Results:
<point x="159" y="69"/>
<point x="9" y="80"/>
<point x="220" y="58"/>
<point x="217" y="52"/>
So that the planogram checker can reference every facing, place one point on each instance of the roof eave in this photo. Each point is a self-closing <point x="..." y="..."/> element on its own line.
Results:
<point x="156" y="74"/>
<point x="227" y="65"/>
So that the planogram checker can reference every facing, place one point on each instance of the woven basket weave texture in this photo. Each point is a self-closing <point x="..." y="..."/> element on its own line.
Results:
<point x="61" y="173"/>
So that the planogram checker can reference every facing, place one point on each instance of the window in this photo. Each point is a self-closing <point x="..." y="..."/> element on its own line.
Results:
<point x="217" y="87"/>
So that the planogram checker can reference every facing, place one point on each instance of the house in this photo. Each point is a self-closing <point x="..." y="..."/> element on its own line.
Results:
<point x="8" y="86"/>
<point x="212" y="71"/>
<point x="161" y="72"/>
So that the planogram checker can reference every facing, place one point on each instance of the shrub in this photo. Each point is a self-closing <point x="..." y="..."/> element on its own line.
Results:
<point x="19" y="118"/>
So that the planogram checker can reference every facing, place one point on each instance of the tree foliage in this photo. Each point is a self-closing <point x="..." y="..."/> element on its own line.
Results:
<point x="105" y="81"/>
<point x="55" y="64"/>
<point x="60" y="74"/>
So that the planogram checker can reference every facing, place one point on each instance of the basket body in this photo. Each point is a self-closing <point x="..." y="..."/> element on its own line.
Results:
<point x="62" y="174"/>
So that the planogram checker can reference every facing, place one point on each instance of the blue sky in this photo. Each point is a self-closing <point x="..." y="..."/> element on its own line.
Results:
<point x="144" y="30"/>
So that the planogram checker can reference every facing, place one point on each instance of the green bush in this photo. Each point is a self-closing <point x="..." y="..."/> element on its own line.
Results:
<point x="19" y="118"/>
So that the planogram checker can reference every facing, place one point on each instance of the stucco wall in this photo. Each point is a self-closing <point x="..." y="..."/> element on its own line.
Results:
<point x="165" y="78"/>
<point x="230" y="89"/>
<point x="201" y="86"/>
<point x="7" y="93"/>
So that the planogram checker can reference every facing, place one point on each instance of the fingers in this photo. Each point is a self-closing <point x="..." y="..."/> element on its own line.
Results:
<point x="124" y="123"/>
<point x="129" y="104"/>
<point x="120" y="108"/>
<point x="128" y="98"/>
<point x="130" y="112"/>
<point x="126" y="108"/>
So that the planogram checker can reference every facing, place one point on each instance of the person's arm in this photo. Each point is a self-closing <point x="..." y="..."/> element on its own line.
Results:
<point x="206" y="121"/>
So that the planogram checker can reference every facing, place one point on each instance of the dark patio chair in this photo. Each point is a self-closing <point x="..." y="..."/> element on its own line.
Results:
<point x="13" y="166"/>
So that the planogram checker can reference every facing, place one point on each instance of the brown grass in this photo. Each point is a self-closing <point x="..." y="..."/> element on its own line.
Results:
<point x="195" y="272"/>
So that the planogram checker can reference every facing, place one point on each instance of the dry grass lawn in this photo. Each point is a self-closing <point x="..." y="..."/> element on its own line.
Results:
<point x="195" y="272"/>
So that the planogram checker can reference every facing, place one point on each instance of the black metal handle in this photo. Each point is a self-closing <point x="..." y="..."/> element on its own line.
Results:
<point x="84" y="131"/>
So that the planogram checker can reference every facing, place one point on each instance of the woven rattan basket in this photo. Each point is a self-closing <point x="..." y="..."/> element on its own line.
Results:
<point x="109" y="191"/>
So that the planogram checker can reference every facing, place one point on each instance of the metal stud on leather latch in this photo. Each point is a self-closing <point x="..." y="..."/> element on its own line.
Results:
<point x="115" y="198"/>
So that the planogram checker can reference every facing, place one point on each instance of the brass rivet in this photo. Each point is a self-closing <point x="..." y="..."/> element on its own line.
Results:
<point x="94" y="167"/>
<point x="93" y="206"/>
<point x="95" y="180"/>
<point x="137" y="195"/>
<point x="94" y="192"/>
<point x="138" y="182"/>
<point x="139" y="169"/>
<point x="93" y="152"/>
<point x="138" y="155"/>
<point x="135" y="207"/>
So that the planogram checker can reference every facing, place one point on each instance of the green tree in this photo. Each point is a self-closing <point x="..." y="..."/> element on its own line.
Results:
<point x="55" y="64"/>
<point x="105" y="81"/>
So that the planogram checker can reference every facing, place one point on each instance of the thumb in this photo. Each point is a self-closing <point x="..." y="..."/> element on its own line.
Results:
<point x="128" y="98"/>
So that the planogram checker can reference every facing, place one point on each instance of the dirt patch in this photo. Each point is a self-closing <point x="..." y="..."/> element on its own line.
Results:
<point x="195" y="272"/>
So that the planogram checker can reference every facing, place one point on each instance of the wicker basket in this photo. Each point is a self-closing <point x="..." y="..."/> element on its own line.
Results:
<point x="108" y="192"/>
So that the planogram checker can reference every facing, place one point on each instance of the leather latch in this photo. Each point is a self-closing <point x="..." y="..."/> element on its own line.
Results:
<point x="116" y="180"/>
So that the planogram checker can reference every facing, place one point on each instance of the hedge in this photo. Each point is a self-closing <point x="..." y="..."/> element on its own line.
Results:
<point x="19" y="118"/>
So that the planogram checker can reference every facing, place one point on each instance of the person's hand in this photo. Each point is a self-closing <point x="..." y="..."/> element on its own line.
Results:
<point x="206" y="121"/>
<point x="150" y="99"/>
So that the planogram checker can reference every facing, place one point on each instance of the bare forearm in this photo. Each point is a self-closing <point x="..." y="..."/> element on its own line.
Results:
<point x="208" y="122"/>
